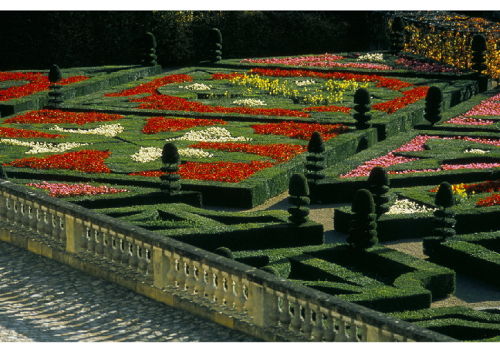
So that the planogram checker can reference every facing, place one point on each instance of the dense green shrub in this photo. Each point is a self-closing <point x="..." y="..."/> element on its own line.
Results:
<point x="478" y="46"/>
<point x="444" y="216"/>
<point x="363" y="231"/>
<point x="433" y="101"/>
<point x="378" y="184"/>
<point x="362" y="106"/>
<point x="149" y="47"/>
<point x="171" y="159"/>
<point x="299" y="197"/>
<point x="55" y="94"/>
<point x="397" y="35"/>
<point x="315" y="159"/>
<point x="215" y="38"/>
<point x="223" y="251"/>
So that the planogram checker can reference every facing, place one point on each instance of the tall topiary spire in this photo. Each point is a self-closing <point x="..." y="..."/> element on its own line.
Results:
<point x="363" y="230"/>
<point x="378" y="184"/>
<point x="397" y="35"/>
<point x="478" y="47"/>
<point x="171" y="159"/>
<point x="149" y="44"/>
<point x="362" y="106"/>
<point x="299" y="197"/>
<point x="55" y="94"/>
<point x="315" y="160"/>
<point x="433" y="101"/>
<point x="444" y="217"/>
<point x="215" y="42"/>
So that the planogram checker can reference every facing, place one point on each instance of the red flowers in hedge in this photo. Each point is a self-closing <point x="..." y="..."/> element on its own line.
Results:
<point x="46" y="116"/>
<point x="300" y="130"/>
<point x="221" y="76"/>
<point x="87" y="161"/>
<point x="493" y="200"/>
<point x="281" y="152"/>
<point x="229" y="172"/>
<point x="328" y="108"/>
<point x="22" y="133"/>
<point x="152" y="86"/>
<point x="411" y="96"/>
<point x="165" y="102"/>
<point x="158" y="124"/>
<point x="37" y="82"/>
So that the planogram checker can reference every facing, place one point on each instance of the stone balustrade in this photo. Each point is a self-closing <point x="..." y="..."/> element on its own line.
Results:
<point x="274" y="308"/>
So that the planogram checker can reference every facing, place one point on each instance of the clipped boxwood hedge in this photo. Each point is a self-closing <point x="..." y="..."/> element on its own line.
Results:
<point x="380" y="278"/>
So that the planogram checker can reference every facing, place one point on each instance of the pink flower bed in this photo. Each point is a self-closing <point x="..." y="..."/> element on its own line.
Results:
<point x="66" y="190"/>
<point x="486" y="107"/>
<point x="462" y="120"/>
<point x="417" y="144"/>
<point x="324" y="60"/>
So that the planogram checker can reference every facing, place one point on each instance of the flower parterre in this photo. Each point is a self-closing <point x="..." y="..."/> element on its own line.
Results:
<point x="37" y="82"/>
<point x="78" y="189"/>
<point x="418" y="144"/>
<point x="160" y="124"/>
<point x="49" y="116"/>
<point x="466" y="190"/>
<point x="301" y="131"/>
<point x="23" y="133"/>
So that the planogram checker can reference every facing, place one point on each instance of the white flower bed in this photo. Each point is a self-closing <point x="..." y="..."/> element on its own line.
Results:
<point x="475" y="151"/>
<point x="373" y="57"/>
<point x="149" y="154"/>
<point x="104" y="130"/>
<point x="405" y="206"/>
<point x="43" y="147"/>
<point x="197" y="87"/>
<point x="305" y="83"/>
<point x="249" y="102"/>
<point x="211" y="134"/>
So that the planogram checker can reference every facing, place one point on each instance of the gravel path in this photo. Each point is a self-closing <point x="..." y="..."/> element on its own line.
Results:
<point x="44" y="301"/>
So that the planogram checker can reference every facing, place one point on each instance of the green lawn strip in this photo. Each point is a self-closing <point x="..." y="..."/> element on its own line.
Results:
<point x="476" y="254"/>
<point x="336" y="189"/>
<point x="470" y="218"/>
<point x="101" y="78"/>
<point x="459" y="322"/>
<point x="379" y="278"/>
<point x="212" y="229"/>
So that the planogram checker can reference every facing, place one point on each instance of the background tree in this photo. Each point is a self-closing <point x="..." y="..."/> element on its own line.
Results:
<point x="363" y="230"/>
<point x="149" y="43"/>
<point x="171" y="160"/>
<point x="397" y="35"/>
<point x="444" y="217"/>
<point x="299" y="197"/>
<point x="478" y="46"/>
<point x="378" y="184"/>
<point x="215" y="38"/>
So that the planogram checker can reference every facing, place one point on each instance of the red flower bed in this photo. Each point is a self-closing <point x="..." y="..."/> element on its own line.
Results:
<point x="477" y="188"/>
<point x="493" y="200"/>
<point x="37" y="82"/>
<point x="229" y="172"/>
<point x="281" y="152"/>
<point x="221" y="76"/>
<point x="46" y="116"/>
<point x="391" y="83"/>
<point x="164" y="102"/>
<point x="328" y="108"/>
<point x="158" y="124"/>
<point x="411" y="96"/>
<point x="301" y="131"/>
<point x="22" y="133"/>
<point x="151" y="87"/>
<point x="87" y="161"/>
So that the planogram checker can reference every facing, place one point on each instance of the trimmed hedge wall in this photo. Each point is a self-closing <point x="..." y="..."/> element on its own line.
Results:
<point x="476" y="254"/>
<point x="380" y="278"/>
<point x="459" y="322"/>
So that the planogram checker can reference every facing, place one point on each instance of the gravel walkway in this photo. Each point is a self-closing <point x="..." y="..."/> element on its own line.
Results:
<point x="44" y="301"/>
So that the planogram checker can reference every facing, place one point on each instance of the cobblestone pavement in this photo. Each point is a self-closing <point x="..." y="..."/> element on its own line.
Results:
<point x="44" y="301"/>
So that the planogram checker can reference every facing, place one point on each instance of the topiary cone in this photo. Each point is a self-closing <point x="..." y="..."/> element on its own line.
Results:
<point x="433" y="101"/>
<point x="444" y="196"/>
<point x="170" y="154"/>
<point x="55" y="74"/>
<point x="378" y="184"/>
<point x="316" y="144"/>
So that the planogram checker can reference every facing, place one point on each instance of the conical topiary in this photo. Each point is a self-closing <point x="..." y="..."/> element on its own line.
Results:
<point x="315" y="160"/>
<point x="299" y="197"/>
<point x="362" y="106"/>
<point x="397" y="36"/>
<point x="171" y="159"/>
<point x="378" y="184"/>
<point x="444" y="217"/>
<point x="55" y="94"/>
<point x="363" y="230"/>
<point x="478" y="47"/>
<point x="223" y="251"/>
<point x="148" y="48"/>
<point x="215" y="42"/>
<point x="433" y="101"/>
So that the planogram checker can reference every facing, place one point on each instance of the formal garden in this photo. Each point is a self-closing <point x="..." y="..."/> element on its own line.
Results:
<point x="402" y="146"/>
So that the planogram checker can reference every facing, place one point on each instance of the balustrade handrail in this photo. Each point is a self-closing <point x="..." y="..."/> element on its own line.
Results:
<point x="265" y="280"/>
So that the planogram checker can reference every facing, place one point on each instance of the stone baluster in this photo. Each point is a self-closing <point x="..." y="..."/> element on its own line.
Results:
<point x="148" y="254"/>
<point x="91" y="243"/>
<point x="228" y="288"/>
<point x="142" y="265"/>
<point x="124" y="247"/>
<point x="132" y="253"/>
<point x="62" y="227"/>
<point x="272" y="313"/>
<point x="239" y="298"/>
<point x="328" y="334"/>
<point x="3" y="206"/>
<point x="115" y="247"/>
<point x="210" y="283"/>
<point x="30" y="214"/>
<point x="106" y="244"/>
<point x="8" y="209"/>
<point x="360" y="331"/>
<point x="340" y="330"/>
<point x="98" y="242"/>
<point x="305" y="314"/>
<point x="190" y="280"/>
<point x="317" y="323"/>
<point x="295" y="322"/>
<point x="15" y="212"/>
<point x="20" y="219"/>
<point x="284" y="310"/>
<point x="180" y="273"/>
<point x="170" y="268"/>
<point x="219" y="288"/>
<point x="199" y="280"/>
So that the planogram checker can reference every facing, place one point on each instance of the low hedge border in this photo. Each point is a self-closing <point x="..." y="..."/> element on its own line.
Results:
<point x="209" y="230"/>
<point x="459" y="322"/>
<point x="248" y="193"/>
<point x="404" y="119"/>
<point x="340" y="190"/>
<point x="407" y="282"/>
<point x="476" y="254"/>
<point x="93" y="84"/>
